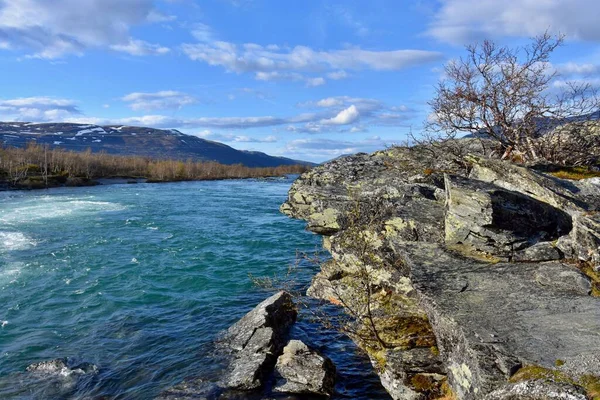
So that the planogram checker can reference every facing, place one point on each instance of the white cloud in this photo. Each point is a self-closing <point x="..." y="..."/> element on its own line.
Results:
<point x="348" y="18"/>
<point x="346" y="110"/>
<point x="335" y="114"/>
<point x="572" y="68"/>
<point x="52" y="29"/>
<point x="158" y="101"/>
<point x="337" y="75"/>
<point x="313" y="82"/>
<point x="301" y="63"/>
<point x="344" y="117"/>
<point x="37" y="109"/>
<point x="202" y="32"/>
<point x="231" y="138"/>
<point x="464" y="21"/>
<point x="327" y="148"/>
<point x="156" y="16"/>
<point x="140" y="48"/>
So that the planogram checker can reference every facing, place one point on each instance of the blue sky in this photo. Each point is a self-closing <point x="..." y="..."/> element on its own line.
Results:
<point x="304" y="79"/>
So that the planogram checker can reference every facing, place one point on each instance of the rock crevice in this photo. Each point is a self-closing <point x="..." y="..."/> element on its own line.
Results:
<point x="472" y="274"/>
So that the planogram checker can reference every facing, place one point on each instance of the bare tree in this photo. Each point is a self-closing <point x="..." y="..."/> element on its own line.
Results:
<point x="507" y="94"/>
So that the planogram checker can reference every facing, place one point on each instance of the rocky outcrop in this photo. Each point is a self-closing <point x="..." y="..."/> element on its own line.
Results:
<point x="497" y="221"/>
<point x="301" y="369"/>
<point x="256" y="340"/>
<point x="257" y="352"/>
<point x="462" y="275"/>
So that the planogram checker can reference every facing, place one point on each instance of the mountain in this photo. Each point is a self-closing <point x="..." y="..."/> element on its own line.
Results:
<point x="133" y="141"/>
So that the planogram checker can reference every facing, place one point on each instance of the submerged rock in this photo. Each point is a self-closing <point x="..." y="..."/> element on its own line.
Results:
<point x="60" y="367"/>
<point x="303" y="370"/>
<point x="58" y="378"/>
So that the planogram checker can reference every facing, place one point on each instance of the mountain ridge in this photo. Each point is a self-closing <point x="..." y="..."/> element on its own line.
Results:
<point x="134" y="141"/>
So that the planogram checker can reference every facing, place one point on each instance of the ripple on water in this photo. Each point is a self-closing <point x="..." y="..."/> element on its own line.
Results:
<point x="140" y="279"/>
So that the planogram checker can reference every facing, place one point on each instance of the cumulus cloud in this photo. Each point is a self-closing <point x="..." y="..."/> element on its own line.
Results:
<point x="52" y="29"/>
<point x="162" y="100"/>
<point x="346" y="110"/>
<point x="464" y="21"/>
<point x="344" y="117"/>
<point x="37" y="109"/>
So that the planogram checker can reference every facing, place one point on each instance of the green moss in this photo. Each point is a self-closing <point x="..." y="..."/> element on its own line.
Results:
<point x="575" y="173"/>
<point x="534" y="372"/>
<point x="559" y="363"/>
<point x="424" y="383"/>
<point x="588" y="269"/>
<point x="590" y="383"/>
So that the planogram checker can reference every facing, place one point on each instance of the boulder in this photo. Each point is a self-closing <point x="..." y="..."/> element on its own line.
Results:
<point x="301" y="369"/>
<point x="256" y="340"/>
<point x="497" y="221"/>
<point x="559" y="193"/>
<point x="584" y="241"/>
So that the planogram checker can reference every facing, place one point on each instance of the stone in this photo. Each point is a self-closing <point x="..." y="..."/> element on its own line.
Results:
<point x="256" y="340"/>
<point x="490" y="319"/>
<point x="61" y="377"/>
<point x="301" y="369"/>
<point x="479" y="251"/>
<point x="543" y="251"/>
<point x="497" y="221"/>
<point x="538" y="390"/>
<point x="560" y="277"/>
<point x="558" y="193"/>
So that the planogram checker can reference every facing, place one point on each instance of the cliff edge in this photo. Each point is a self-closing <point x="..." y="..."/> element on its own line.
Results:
<point x="467" y="278"/>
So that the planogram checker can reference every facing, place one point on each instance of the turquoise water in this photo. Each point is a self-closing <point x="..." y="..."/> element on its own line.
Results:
<point x="140" y="279"/>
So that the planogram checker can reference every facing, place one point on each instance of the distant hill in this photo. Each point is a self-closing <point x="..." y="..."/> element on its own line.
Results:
<point x="132" y="140"/>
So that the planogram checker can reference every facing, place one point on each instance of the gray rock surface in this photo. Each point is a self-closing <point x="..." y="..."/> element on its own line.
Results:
<point x="481" y="270"/>
<point x="301" y="369"/>
<point x="497" y="221"/>
<point x="251" y="348"/>
<point x="256" y="340"/>
<point x="490" y="319"/>
<point x="538" y="390"/>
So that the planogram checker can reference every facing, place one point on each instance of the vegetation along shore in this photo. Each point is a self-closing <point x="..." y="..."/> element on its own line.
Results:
<point x="38" y="167"/>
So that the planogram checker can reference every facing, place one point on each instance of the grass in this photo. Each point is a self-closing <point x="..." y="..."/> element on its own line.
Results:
<point x="575" y="173"/>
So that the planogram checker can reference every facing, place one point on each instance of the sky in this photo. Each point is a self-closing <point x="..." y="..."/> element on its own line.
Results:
<point x="310" y="79"/>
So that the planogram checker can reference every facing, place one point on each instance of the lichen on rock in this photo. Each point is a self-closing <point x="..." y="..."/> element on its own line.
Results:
<point x="458" y="272"/>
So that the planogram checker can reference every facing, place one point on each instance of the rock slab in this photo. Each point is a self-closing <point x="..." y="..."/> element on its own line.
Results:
<point x="301" y="369"/>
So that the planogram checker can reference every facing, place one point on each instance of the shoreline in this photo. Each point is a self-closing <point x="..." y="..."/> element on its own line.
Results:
<point x="120" y="180"/>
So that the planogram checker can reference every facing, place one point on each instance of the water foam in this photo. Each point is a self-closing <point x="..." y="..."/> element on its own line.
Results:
<point x="55" y="207"/>
<point x="10" y="241"/>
